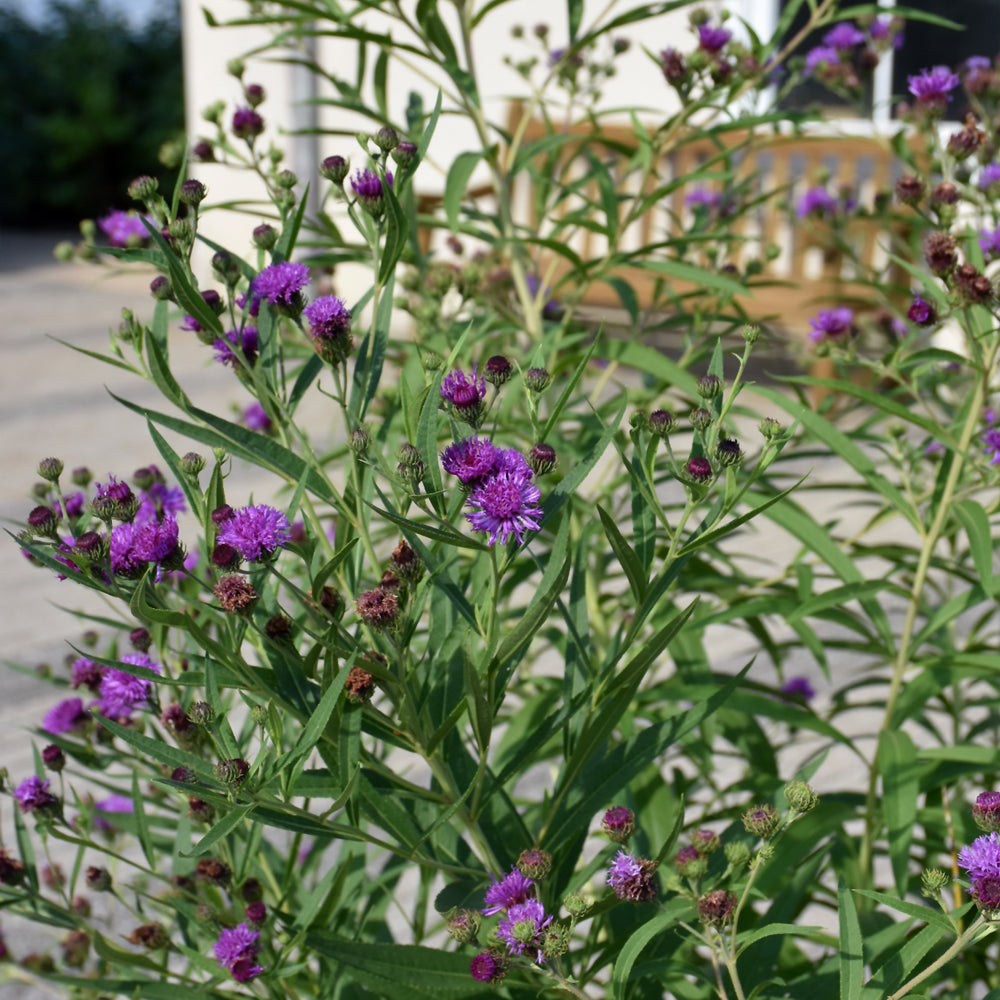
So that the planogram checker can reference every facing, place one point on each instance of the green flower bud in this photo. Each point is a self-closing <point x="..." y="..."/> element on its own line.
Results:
<point x="801" y="797"/>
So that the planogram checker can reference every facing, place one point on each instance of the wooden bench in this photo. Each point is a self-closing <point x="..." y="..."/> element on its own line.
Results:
<point x="556" y="198"/>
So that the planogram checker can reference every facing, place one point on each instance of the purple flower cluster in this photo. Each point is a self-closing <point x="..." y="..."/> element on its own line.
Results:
<point x="991" y="445"/>
<point x="512" y="889"/>
<point x="632" y="878"/>
<point x="921" y="312"/>
<point x="121" y="692"/>
<point x="255" y="531"/>
<point x="245" y="338"/>
<point x="236" y="949"/>
<point x="503" y="499"/>
<point x="831" y="324"/>
<point x="67" y="716"/>
<point x="932" y="87"/>
<point x="123" y="228"/>
<point x="989" y="176"/>
<point x="981" y="861"/>
<point x="844" y="37"/>
<point x="522" y="924"/>
<point x="280" y="283"/>
<point x="33" y="793"/>
<point x="465" y="394"/>
<point x="817" y="201"/>
<point x="712" y="39"/>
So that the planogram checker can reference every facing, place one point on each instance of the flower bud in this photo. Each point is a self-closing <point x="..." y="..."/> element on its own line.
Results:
<point x="463" y="925"/>
<point x="81" y="476"/>
<point x="909" y="189"/>
<point x="386" y="138"/>
<point x="537" y="379"/>
<point x="707" y="841"/>
<point x="986" y="811"/>
<point x="716" y="907"/>
<point x="535" y="864"/>
<point x="199" y="810"/>
<point x="143" y="187"/>
<point x="359" y="441"/>
<point x="265" y="237"/>
<point x="933" y="881"/>
<point x="286" y="180"/>
<point x="76" y="947"/>
<point x="98" y="879"/>
<point x="151" y="936"/>
<point x="236" y="67"/>
<point x="50" y="469"/>
<point x="698" y="469"/>
<point x="53" y="758"/>
<point x="751" y="333"/>
<point x="43" y="520"/>
<point x="728" y="452"/>
<point x="335" y="169"/>
<point x="577" y="905"/>
<point x="761" y="821"/>
<point x="404" y="154"/>
<point x="201" y="713"/>
<point x="254" y="94"/>
<point x="661" y="422"/>
<point x="801" y="797"/>
<point x="556" y="941"/>
<point x="709" y="386"/>
<point x="690" y="862"/>
<point x="160" y="288"/>
<point x="770" y="429"/>
<point x="192" y="463"/>
<point x="542" y="458"/>
<point x="498" y="370"/>
<point x="407" y="563"/>
<point x="192" y="192"/>
<point x="701" y="418"/>
<point x="232" y="772"/>
<point x="618" y="824"/>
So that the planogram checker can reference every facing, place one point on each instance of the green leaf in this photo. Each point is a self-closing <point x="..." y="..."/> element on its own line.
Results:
<point x="851" y="959"/>
<point x="397" y="227"/>
<point x="574" y="14"/>
<point x="925" y="913"/>
<point x="977" y="529"/>
<point x="141" y="826"/>
<point x="459" y="173"/>
<point x="159" y="751"/>
<point x="638" y="940"/>
<point x="637" y="577"/>
<point x="897" y="761"/>
<point x="223" y="828"/>
<point x="403" y="970"/>
<point x="290" y="232"/>
<point x="699" y="276"/>
<point x="755" y="934"/>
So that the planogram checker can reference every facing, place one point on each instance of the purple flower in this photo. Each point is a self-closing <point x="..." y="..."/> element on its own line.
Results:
<point x="121" y="548"/>
<point x="505" y="504"/>
<point x="991" y="445"/>
<point x="247" y="340"/>
<point x="255" y="531"/>
<point x="465" y="393"/>
<point x="988" y="176"/>
<point x="160" y="500"/>
<point x="712" y="39"/>
<point x="247" y="123"/>
<point x="256" y="418"/>
<point x="241" y="303"/>
<point x="66" y="717"/>
<point x="509" y="891"/>
<point x="931" y="88"/>
<point x="487" y="967"/>
<point x="123" y="228"/>
<point x="817" y="201"/>
<point x="74" y="505"/>
<point x="121" y="691"/>
<point x="921" y="312"/>
<point x="830" y="324"/>
<point x="523" y="926"/>
<point x="844" y="36"/>
<point x="236" y="949"/>
<point x="798" y="689"/>
<point x="471" y="460"/>
<point x="878" y="31"/>
<point x="632" y="878"/>
<point x="703" y="197"/>
<point x="328" y="317"/>
<point x="367" y="184"/>
<point x="989" y="242"/>
<point x="279" y="283"/>
<point x="87" y="674"/>
<point x="154" y="542"/>
<point x="822" y="55"/>
<point x="981" y="860"/>
<point x="33" y="793"/>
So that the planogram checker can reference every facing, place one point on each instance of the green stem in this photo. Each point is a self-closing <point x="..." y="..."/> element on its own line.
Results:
<point x="960" y="942"/>
<point x="942" y="513"/>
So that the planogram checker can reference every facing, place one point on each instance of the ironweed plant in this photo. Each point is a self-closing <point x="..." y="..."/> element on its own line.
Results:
<point x="451" y="705"/>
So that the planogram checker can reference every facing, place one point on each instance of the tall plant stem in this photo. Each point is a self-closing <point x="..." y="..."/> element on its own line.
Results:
<point x="942" y="513"/>
<point x="960" y="942"/>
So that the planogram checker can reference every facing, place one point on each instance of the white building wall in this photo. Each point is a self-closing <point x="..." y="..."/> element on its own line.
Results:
<point x="639" y="85"/>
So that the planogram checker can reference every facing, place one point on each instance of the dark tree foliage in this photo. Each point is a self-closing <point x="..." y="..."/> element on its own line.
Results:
<point x="86" y="101"/>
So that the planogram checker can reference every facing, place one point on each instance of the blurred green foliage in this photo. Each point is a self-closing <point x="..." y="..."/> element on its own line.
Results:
<point x="86" y="100"/>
